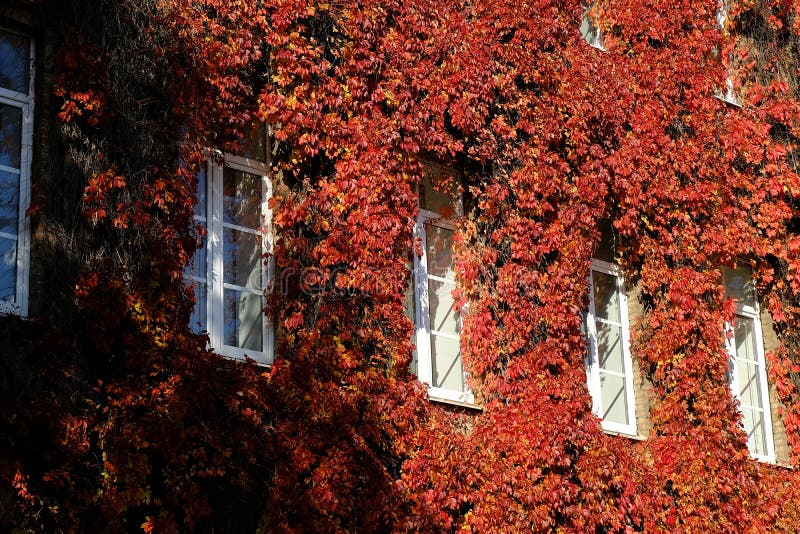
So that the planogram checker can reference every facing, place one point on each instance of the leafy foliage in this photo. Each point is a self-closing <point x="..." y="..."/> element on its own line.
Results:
<point x="116" y="418"/>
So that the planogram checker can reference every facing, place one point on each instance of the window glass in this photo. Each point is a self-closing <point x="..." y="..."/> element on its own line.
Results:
<point x="200" y="260"/>
<point x="612" y="389"/>
<point x="242" y="193"/>
<point x="439" y="251"/>
<point x="10" y="136"/>
<point x="438" y="190"/>
<point x="609" y="347"/>
<point x="753" y="422"/>
<point x="200" y="202"/>
<point x="243" y="320"/>
<point x="607" y="247"/>
<point x="8" y="269"/>
<point x="739" y="284"/>
<point x="243" y="257"/>
<point x="254" y="143"/>
<point x="411" y="313"/>
<point x="9" y="202"/>
<point x="440" y="303"/>
<point x="606" y="299"/>
<point x="448" y="371"/>
<point x="198" y="319"/>
<point x="590" y="31"/>
<point x="15" y="58"/>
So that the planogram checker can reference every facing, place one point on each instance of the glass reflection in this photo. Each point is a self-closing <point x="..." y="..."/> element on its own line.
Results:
<point x="197" y="321"/>
<point x="440" y="303"/>
<point x="10" y="136"/>
<point x="243" y="320"/>
<point x="9" y="202"/>
<point x="242" y="257"/>
<point x="606" y="300"/>
<point x="739" y="284"/>
<point x="8" y="269"/>
<point x="439" y="251"/>
<point x="15" y="57"/>
<point x="241" y="198"/>
<point x="448" y="371"/>
<point x="612" y="390"/>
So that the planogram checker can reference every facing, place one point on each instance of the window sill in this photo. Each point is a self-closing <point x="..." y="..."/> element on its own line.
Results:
<point x="634" y="437"/>
<point x="772" y="462"/>
<point x="461" y="404"/>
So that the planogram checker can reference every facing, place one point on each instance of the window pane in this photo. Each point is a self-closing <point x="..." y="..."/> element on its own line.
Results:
<point x="199" y="263"/>
<point x="15" y="55"/>
<point x="10" y="136"/>
<point x="440" y="302"/>
<point x="745" y="338"/>
<point x="739" y="285"/>
<point x="606" y="299"/>
<point x="200" y="201"/>
<point x="448" y="372"/>
<point x="612" y="394"/>
<point x="609" y="347"/>
<point x="242" y="198"/>
<point x="9" y="202"/>
<point x="8" y="269"/>
<point x="254" y="143"/>
<point x="590" y="32"/>
<point x="198" y="322"/>
<point x="440" y="200"/>
<point x="753" y="423"/>
<point x="439" y="251"/>
<point x="243" y="320"/>
<point x="749" y="384"/>
<point x="606" y="248"/>
<point x="411" y="313"/>
<point x="242" y="257"/>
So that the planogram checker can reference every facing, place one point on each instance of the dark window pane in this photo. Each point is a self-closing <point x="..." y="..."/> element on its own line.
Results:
<point x="9" y="202"/>
<point x="10" y="136"/>
<point x="15" y="56"/>
<point x="8" y="269"/>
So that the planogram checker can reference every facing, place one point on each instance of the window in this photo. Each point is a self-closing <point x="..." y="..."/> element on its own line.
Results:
<point x="729" y="93"/>
<point x="748" y="372"/>
<point x="438" y="324"/>
<point x="229" y="273"/>
<point x="609" y="367"/>
<point x="590" y="31"/>
<point x="16" y="139"/>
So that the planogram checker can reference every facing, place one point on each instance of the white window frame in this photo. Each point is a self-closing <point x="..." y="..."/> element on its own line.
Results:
<point x="593" y="357"/>
<point x="752" y="313"/>
<point x="215" y="267"/>
<point x="25" y="103"/>
<point x="422" y="312"/>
